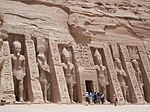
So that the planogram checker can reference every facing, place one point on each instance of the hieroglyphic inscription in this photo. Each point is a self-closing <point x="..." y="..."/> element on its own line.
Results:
<point x="111" y="71"/>
<point x="61" y="81"/>
<point x="113" y="74"/>
<point x="146" y="68"/>
<point x="7" y="78"/>
<point x="133" y="52"/>
<point x="83" y="55"/>
<point x="136" y="96"/>
<point x="33" y="71"/>
<point x="59" y="74"/>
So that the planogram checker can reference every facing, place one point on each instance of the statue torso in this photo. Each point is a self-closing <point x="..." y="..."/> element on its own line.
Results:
<point x="18" y="64"/>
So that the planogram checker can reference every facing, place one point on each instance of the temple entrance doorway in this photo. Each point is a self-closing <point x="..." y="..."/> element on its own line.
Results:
<point x="89" y="86"/>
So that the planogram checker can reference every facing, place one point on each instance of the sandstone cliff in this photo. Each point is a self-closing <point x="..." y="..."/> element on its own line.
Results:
<point x="78" y="19"/>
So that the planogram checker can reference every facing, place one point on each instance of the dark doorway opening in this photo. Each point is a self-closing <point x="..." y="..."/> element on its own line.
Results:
<point x="89" y="86"/>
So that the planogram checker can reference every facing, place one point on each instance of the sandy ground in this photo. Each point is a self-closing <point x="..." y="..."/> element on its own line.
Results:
<point x="74" y="108"/>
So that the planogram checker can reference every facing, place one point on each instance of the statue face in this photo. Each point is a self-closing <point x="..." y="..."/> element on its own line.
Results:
<point x="17" y="49"/>
<point x="67" y="59"/>
<point x="99" y="60"/>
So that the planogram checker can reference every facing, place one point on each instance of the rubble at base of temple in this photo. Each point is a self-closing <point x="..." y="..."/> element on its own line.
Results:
<point x="60" y="50"/>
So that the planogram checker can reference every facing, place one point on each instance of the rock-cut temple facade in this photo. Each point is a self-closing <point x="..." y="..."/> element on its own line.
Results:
<point x="58" y="50"/>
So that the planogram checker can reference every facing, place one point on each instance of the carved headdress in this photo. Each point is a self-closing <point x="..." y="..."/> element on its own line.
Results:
<point x="16" y="43"/>
<point x="97" y="54"/>
<point x="41" y="47"/>
<point x="65" y="53"/>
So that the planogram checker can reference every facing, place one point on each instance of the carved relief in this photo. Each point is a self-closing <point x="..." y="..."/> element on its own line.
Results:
<point x="114" y="83"/>
<point x="122" y="77"/>
<point x="138" y="74"/>
<point x="18" y="69"/>
<point x="102" y="73"/>
<point x="33" y="72"/>
<point x="69" y="71"/>
<point x="44" y="72"/>
<point x="135" y="92"/>
<point x="113" y="75"/>
<point x="82" y="55"/>
<point x="58" y="79"/>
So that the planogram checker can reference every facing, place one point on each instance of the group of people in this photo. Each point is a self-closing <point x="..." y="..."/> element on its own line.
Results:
<point x="95" y="97"/>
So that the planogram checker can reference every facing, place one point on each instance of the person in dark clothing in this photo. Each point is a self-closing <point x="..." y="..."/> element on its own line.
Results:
<point x="115" y="100"/>
<point x="95" y="97"/>
<point x="102" y="98"/>
<point x="98" y="97"/>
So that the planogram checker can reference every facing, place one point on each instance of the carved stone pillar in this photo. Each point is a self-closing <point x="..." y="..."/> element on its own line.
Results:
<point x="6" y="74"/>
<point x="113" y="75"/>
<point x="146" y="70"/>
<point x="58" y="81"/>
<point x="35" y="94"/>
<point x="136" y="95"/>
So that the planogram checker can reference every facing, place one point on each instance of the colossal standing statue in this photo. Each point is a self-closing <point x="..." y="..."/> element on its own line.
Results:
<point x="69" y="72"/>
<point x="138" y="74"/>
<point x="18" y="62"/>
<point x="44" y="71"/>
<point x="102" y="73"/>
<point x="121" y="77"/>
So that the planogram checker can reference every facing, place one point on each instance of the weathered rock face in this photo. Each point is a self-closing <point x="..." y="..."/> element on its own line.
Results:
<point x="117" y="29"/>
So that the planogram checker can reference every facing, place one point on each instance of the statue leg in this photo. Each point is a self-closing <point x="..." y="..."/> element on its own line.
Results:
<point x="21" y="90"/>
<point x="124" y="93"/>
<point x="105" y="93"/>
<point x="44" y="89"/>
<point x="70" y="88"/>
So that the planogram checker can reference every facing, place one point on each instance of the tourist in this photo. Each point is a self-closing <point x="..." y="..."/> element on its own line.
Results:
<point x="102" y="97"/>
<point x="98" y="97"/>
<point x="115" y="100"/>
<point x="95" y="97"/>
<point x="90" y="97"/>
<point x="87" y="97"/>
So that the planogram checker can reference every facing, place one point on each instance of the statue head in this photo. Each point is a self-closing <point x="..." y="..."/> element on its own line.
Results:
<point x="41" y="48"/>
<point x="17" y="47"/>
<point x="66" y="54"/>
<point x="98" y="57"/>
<point x="135" y="63"/>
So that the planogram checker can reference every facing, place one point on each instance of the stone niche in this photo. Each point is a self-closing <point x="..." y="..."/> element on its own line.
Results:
<point x="102" y="70"/>
<point x="72" y="70"/>
<point x="20" y="38"/>
<point x="141" y="75"/>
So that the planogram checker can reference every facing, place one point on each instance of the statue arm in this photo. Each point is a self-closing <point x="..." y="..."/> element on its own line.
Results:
<point x="24" y="67"/>
<point x="64" y="65"/>
<point x="73" y="73"/>
<point x="46" y="67"/>
<point x="105" y="73"/>
<point x="43" y="66"/>
<point x="39" y="62"/>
